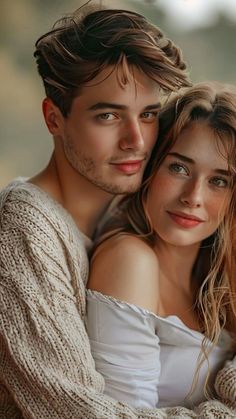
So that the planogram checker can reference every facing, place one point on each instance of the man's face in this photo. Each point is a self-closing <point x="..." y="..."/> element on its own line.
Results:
<point x="110" y="131"/>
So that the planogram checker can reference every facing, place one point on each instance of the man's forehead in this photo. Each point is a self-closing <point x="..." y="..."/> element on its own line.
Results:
<point x="123" y="76"/>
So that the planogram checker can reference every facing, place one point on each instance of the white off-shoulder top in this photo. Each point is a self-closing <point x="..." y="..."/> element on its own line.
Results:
<point x="147" y="360"/>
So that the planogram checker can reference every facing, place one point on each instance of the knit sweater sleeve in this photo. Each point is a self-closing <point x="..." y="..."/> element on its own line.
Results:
<point x="225" y="383"/>
<point x="47" y="370"/>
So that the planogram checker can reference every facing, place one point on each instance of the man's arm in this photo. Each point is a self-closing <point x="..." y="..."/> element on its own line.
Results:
<point x="225" y="383"/>
<point x="46" y="364"/>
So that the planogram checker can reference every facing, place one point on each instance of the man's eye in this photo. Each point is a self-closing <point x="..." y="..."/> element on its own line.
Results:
<point x="219" y="182"/>
<point x="149" y="115"/>
<point x="106" y="116"/>
<point x="178" y="168"/>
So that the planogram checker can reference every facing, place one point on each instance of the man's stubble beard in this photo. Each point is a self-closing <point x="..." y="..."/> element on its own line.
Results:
<point x="86" y="167"/>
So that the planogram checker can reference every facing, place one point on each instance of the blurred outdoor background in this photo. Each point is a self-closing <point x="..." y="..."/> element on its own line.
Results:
<point x="204" y="29"/>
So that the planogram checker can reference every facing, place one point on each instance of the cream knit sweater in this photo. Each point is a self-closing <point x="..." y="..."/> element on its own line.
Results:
<point x="46" y="368"/>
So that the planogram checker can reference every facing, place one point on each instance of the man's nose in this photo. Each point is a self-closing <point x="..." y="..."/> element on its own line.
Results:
<point x="132" y="137"/>
<point x="193" y="194"/>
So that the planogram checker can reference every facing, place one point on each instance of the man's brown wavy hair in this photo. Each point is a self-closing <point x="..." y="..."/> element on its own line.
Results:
<point x="83" y="44"/>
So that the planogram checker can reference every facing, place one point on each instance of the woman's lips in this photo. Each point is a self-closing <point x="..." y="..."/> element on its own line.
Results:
<point x="185" y="220"/>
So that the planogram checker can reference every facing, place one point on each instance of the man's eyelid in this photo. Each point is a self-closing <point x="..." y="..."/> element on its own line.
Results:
<point x="151" y="114"/>
<point x="153" y="111"/>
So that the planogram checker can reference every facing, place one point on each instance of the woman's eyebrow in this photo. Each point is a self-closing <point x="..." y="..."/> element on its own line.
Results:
<point x="182" y="157"/>
<point x="223" y="172"/>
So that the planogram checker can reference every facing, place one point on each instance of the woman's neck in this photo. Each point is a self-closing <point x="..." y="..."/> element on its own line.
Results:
<point x="176" y="263"/>
<point x="177" y="288"/>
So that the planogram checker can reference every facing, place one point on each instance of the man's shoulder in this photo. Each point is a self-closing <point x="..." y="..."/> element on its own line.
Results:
<point x="26" y="207"/>
<point x="21" y="196"/>
<point x="21" y="193"/>
<point x="35" y="227"/>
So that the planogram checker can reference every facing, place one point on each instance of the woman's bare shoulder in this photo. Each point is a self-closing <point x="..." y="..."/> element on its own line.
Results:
<point x="126" y="267"/>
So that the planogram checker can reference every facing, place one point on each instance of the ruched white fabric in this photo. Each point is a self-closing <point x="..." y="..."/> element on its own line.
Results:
<point x="147" y="360"/>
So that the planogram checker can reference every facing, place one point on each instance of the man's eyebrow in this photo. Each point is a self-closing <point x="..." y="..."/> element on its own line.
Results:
<point x="109" y="105"/>
<point x="189" y="160"/>
<point x="153" y="106"/>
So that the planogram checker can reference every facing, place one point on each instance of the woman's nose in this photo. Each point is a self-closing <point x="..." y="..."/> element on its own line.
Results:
<point x="193" y="194"/>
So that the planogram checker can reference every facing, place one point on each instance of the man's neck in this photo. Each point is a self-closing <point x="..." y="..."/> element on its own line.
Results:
<point x="85" y="202"/>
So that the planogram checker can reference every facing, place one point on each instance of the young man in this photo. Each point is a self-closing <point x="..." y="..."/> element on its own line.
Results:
<point x="104" y="73"/>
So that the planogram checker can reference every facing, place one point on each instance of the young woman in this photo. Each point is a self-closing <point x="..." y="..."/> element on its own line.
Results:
<point x="161" y="300"/>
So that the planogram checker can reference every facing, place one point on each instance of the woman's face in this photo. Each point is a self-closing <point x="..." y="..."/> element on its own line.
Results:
<point x="188" y="195"/>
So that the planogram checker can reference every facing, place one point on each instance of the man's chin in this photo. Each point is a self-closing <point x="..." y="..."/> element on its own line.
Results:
<point x="123" y="186"/>
<point x="123" y="190"/>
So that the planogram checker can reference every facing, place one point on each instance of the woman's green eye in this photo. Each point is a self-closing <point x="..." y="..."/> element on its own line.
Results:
<point x="219" y="182"/>
<point x="178" y="168"/>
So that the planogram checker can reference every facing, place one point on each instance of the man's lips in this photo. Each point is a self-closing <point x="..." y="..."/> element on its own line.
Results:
<point x="128" y="166"/>
<point x="185" y="220"/>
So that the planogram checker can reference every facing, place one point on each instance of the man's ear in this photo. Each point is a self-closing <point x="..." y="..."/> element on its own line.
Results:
<point x="53" y="116"/>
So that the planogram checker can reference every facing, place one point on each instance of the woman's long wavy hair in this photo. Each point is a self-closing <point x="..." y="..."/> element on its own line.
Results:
<point x="215" y="267"/>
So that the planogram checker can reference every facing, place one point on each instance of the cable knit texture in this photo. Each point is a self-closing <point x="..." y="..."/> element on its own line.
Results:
<point x="47" y="371"/>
